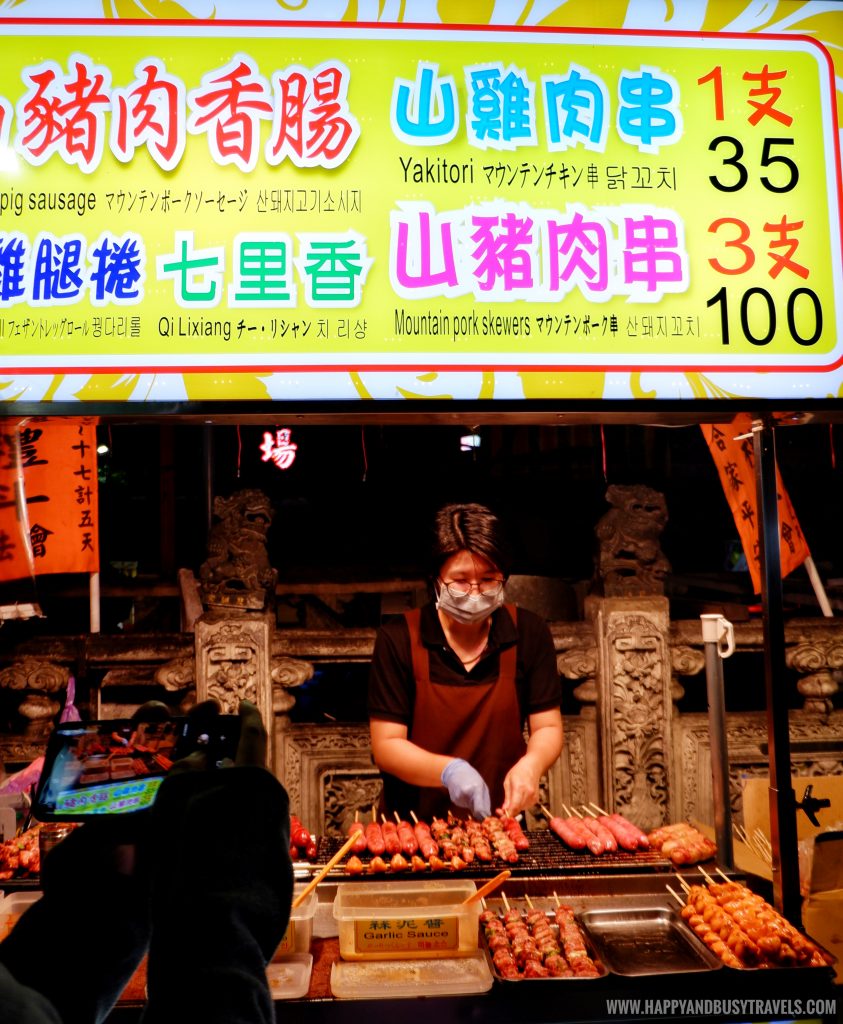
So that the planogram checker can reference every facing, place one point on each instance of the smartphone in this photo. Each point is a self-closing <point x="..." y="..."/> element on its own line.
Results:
<point x="117" y="766"/>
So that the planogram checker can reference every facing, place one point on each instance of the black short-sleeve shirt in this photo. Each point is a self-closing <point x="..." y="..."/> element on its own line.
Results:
<point x="392" y="687"/>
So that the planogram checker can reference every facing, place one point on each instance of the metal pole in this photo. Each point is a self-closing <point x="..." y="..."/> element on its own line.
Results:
<point x="783" y="838"/>
<point x="714" y="629"/>
<point x="94" y="601"/>
<point x="208" y="466"/>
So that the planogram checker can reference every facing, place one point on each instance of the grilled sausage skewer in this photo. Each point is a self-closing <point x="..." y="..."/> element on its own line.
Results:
<point x="360" y="845"/>
<point x="407" y="837"/>
<point x="390" y="836"/>
<point x="626" y="835"/>
<point x="374" y="837"/>
<point x="605" y="835"/>
<point x="591" y="840"/>
<point x="569" y="836"/>
<point x="428" y="847"/>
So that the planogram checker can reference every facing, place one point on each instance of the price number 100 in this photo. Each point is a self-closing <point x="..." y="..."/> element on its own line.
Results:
<point x="759" y="319"/>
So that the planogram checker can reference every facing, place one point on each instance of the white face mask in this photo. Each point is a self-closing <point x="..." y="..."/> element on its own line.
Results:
<point x="471" y="607"/>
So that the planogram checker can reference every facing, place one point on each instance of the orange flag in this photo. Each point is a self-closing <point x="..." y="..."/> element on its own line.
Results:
<point x="49" y="502"/>
<point x="735" y="461"/>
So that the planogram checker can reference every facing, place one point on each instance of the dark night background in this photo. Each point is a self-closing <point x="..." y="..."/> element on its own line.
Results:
<point x="357" y="505"/>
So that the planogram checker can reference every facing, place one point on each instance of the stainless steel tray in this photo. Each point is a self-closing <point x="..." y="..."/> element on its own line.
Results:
<point x="646" y="940"/>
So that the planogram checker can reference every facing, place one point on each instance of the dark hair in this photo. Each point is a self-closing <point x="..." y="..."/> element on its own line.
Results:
<point x="469" y="527"/>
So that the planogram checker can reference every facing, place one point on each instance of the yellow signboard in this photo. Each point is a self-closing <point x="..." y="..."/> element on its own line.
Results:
<point x="291" y="200"/>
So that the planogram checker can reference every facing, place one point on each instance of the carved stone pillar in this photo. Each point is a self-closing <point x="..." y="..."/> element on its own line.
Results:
<point x="39" y="683"/>
<point x="635" y="709"/>
<point x="684" y="661"/>
<point x="233" y="663"/>
<point x="816" y="662"/>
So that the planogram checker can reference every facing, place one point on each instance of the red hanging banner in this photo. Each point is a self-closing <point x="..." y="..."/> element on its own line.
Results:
<point x="734" y="456"/>
<point x="49" y="507"/>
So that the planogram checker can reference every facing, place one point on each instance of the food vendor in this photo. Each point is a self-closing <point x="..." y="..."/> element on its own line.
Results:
<point x="452" y="683"/>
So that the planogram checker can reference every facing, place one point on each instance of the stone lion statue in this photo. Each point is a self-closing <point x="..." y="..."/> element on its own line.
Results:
<point x="630" y="560"/>
<point x="237" y="568"/>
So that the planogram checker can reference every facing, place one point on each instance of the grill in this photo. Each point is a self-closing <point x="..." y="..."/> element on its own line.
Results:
<point x="547" y="855"/>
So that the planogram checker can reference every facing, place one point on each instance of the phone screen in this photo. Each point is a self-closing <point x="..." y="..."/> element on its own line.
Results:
<point x="117" y="766"/>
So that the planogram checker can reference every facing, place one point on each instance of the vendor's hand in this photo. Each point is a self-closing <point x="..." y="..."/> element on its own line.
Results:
<point x="466" y="788"/>
<point x="521" y="786"/>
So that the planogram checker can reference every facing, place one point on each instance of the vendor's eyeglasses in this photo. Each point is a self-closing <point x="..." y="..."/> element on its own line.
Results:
<point x="462" y="588"/>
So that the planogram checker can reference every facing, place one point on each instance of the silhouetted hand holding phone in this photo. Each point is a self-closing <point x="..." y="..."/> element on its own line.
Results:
<point x="203" y="880"/>
<point x="221" y="882"/>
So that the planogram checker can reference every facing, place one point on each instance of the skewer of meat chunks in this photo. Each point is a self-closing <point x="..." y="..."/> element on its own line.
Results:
<point x="499" y="838"/>
<point x="480" y="843"/>
<point x="513" y="829"/>
<point x="572" y="942"/>
<point x="629" y="836"/>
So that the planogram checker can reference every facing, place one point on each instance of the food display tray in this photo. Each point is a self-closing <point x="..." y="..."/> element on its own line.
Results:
<point x="644" y="940"/>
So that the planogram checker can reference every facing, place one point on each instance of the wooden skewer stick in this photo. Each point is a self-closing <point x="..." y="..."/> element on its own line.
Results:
<point x="723" y="874"/>
<point x="504" y="900"/>
<point x="317" y="878"/>
<point x="763" y="840"/>
<point x="356" y="814"/>
<point x="397" y="817"/>
<point x="413" y="816"/>
<point x="676" y="895"/>
<point x="558" y="901"/>
<point x="588" y="811"/>
<point x="374" y="815"/>
<point x="528" y="900"/>
<point x="575" y="813"/>
<point x="599" y="810"/>
<point x="753" y="843"/>
<point x="705" y="875"/>
<point x="484" y="890"/>
<point x="682" y="882"/>
<point x="546" y="812"/>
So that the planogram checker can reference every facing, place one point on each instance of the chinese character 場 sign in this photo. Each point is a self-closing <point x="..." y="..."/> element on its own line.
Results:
<point x="403" y="200"/>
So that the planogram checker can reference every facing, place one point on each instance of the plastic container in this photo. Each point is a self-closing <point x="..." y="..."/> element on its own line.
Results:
<point x="406" y="920"/>
<point x="290" y="978"/>
<point x="299" y="932"/>
<point x="409" y="979"/>
<point x="12" y="906"/>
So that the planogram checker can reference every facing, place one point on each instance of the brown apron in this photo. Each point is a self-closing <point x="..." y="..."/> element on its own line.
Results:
<point x="480" y="723"/>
